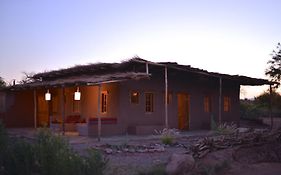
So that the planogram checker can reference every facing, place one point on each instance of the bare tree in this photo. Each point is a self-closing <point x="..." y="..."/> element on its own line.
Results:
<point x="27" y="78"/>
<point x="274" y="69"/>
<point x="2" y="83"/>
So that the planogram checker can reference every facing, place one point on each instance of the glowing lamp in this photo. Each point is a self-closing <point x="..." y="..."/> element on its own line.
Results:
<point x="77" y="94"/>
<point x="48" y="96"/>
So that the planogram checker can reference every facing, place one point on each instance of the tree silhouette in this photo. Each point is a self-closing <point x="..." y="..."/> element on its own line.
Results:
<point x="27" y="78"/>
<point x="2" y="82"/>
<point x="274" y="69"/>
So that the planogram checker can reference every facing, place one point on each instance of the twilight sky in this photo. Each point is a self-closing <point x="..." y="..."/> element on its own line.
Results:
<point x="226" y="36"/>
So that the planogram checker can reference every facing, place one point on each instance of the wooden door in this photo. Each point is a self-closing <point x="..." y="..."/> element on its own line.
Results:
<point x="42" y="111"/>
<point x="183" y="111"/>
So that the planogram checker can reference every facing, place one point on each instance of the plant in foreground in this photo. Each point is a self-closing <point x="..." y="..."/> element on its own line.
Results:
<point x="167" y="135"/>
<point x="48" y="154"/>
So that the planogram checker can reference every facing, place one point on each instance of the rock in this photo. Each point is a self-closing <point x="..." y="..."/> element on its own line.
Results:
<point x="142" y="151"/>
<point x="180" y="163"/>
<point x="108" y="151"/>
<point x="160" y="149"/>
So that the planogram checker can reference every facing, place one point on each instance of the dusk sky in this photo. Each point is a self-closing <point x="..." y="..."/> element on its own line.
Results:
<point x="226" y="36"/>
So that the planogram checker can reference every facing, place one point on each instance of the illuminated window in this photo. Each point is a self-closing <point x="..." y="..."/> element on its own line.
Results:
<point x="226" y="104"/>
<point x="134" y="97"/>
<point x="207" y="104"/>
<point x="148" y="102"/>
<point x="104" y="102"/>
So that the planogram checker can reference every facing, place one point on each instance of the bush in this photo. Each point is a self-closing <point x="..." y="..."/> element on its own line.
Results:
<point x="3" y="145"/>
<point x="50" y="154"/>
<point x="251" y="111"/>
<point x="19" y="158"/>
<point x="53" y="153"/>
<point x="55" y="156"/>
<point x="3" y="137"/>
<point x="94" y="163"/>
<point x="226" y="128"/>
<point x="168" y="135"/>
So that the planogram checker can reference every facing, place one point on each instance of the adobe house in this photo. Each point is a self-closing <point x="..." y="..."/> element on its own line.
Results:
<point x="129" y="97"/>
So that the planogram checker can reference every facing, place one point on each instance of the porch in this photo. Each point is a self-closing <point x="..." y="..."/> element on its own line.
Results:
<point x="76" y="109"/>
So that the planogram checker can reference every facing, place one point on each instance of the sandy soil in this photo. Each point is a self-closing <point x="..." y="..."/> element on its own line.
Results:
<point x="254" y="160"/>
<point x="258" y="160"/>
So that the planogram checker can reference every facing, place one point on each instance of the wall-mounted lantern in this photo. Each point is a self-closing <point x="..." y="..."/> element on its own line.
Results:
<point x="77" y="94"/>
<point x="48" y="95"/>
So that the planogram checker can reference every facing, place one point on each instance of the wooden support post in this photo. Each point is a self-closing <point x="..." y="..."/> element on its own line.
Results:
<point x="99" y="109"/>
<point x="62" y="99"/>
<point x="49" y="113"/>
<point x="146" y="66"/>
<point x="166" y="97"/>
<point x="35" y="108"/>
<point x="270" y="107"/>
<point x="220" y="101"/>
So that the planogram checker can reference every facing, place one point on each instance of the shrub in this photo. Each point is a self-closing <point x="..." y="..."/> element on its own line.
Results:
<point x="55" y="156"/>
<point x="226" y="128"/>
<point x="19" y="158"/>
<point x="50" y="151"/>
<point x="3" y="145"/>
<point x="3" y="137"/>
<point x="168" y="135"/>
<point x="94" y="163"/>
<point x="50" y="154"/>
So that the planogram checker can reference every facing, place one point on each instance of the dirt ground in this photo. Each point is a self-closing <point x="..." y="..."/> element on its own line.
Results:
<point x="259" y="160"/>
<point x="256" y="160"/>
<point x="134" y="162"/>
<point x="130" y="155"/>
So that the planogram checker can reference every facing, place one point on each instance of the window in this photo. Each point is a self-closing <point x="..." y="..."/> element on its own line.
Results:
<point x="134" y="97"/>
<point x="226" y="104"/>
<point x="104" y="102"/>
<point x="207" y="104"/>
<point x="148" y="102"/>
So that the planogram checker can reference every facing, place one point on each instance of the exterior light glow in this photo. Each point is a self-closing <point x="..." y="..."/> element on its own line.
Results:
<point x="48" y="95"/>
<point x="77" y="94"/>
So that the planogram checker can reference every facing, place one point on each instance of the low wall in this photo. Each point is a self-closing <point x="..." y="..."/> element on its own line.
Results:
<point x="276" y="122"/>
<point x="109" y="127"/>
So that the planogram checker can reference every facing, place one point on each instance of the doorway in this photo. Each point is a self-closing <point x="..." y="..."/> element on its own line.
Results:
<point x="42" y="111"/>
<point x="183" y="111"/>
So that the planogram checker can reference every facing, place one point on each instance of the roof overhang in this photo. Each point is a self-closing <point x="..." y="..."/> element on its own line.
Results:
<point x="83" y="80"/>
<point x="241" y="80"/>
